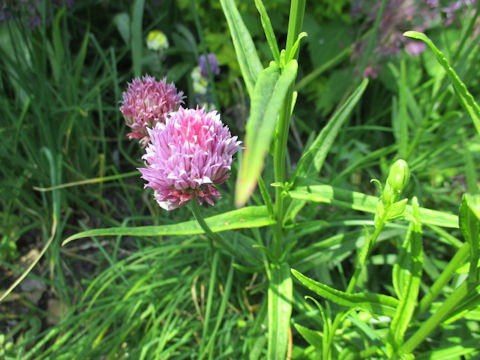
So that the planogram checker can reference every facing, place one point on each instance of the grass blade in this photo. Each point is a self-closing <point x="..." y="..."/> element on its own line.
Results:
<point x="361" y="202"/>
<point x="248" y="217"/>
<point x="312" y="160"/>
<point x="466" y="99"/>
<point x="136" y="36"/>
<point x="268" y="29"/>
<point x="375" y="304"/>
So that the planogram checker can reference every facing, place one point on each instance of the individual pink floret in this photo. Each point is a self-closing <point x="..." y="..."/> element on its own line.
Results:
<point x="187" y="155"/>
<point x="147" y="102"/>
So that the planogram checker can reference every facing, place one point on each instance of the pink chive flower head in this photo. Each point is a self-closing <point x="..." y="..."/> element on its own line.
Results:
<point x="187" y="156"/>
<point x="147" y="102"/>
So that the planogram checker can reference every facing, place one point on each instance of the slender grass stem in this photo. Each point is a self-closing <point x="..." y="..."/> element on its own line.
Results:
<point x="350" y="288"/>
<point x="458" y="260"/>
<point x="297" y="11"/>
<point x="428" y="326"/>
<point x="213" y="237"/>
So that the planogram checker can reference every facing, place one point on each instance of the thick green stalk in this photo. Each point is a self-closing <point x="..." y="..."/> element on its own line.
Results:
<point x="297" y="10"/>
<point x="279" y="171"/>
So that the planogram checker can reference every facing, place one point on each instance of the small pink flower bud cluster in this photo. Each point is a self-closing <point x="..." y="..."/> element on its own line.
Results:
<point x="147" y="102"/>
<point x="188" y="151"/>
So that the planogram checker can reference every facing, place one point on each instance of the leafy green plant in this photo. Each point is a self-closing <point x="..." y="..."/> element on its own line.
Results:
<point x="312" y="264"/>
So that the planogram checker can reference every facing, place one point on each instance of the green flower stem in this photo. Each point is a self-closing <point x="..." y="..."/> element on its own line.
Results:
<point x="351" y="286"/>
<point x="213" y="237"/>
<point x="459" y="259"/>
<point x="297" y="11"/>
<point x="359" y="267"/>
<point x="295" y="23"/>
<point x="279" y="172"/>
<point x="428" y="326"/>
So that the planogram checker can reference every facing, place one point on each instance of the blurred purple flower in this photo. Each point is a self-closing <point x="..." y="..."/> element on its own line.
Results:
<point x="188" y="155"/>
<point x="28" y="10"/>
<point x="453" y="11"/>
<point x="214" y="67"/>
<point x="398" y="16"/>
<point x="414" y="47"/>
<point x="147" y="102"/>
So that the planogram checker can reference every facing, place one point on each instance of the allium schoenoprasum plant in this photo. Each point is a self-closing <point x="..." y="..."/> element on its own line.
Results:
<point x="309" y="305"/>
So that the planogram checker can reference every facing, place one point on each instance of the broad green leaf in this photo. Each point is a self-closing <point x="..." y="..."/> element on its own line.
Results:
<point x="280" y="290"/>
<point x="269" y="94"/>
<point x="469" y="221"/>
<point x="375" y="304"/>
<point x="247" y="217"/>
<point x="242" y="41"/>
<point x="357" y="201"/>
<point x="312" y="160"/>
<point x="466" y="99"/>
<point x="313" y="337"/>
<point x="408" y="271"/>
<point x="268" y="29"/>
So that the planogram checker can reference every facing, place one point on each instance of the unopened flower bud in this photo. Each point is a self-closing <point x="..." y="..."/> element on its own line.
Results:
<point x="157" y="40"/>
<point x="397" y="180"/>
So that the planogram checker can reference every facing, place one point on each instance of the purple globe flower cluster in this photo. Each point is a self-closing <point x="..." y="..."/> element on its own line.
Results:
<point x="187" y="151"/>
<point x="147" y="102"/>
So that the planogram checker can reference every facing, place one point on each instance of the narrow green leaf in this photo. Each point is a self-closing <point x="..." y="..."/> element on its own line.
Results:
<point x="401" y="131"/>
<point x="122" y="22"/>
<point x="137" y="36"/>
<point x="375" y="304"/>
<point x="358" y="201"/>
<point x="469" y="306"/>
<point x="269" y="94"/>
<point x="466" y="99"/>
<point x="247" y="217"/>
<point x="80" y="58"/>
<point x="396" y="210"/>
<point x="242" y="41"/>
<point x="279" y="310"/>
<point x="312" y="160"/>
<point x="268" y="29"/>
<point x="295" y="23"/>
<point x="313" y="337"/>
<point x="58" y="50"/>
<point x="469" y="221"/>
<point x="470" y="167"/>
<point x="455" y="352"/>
<point x="409" y="271"/>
